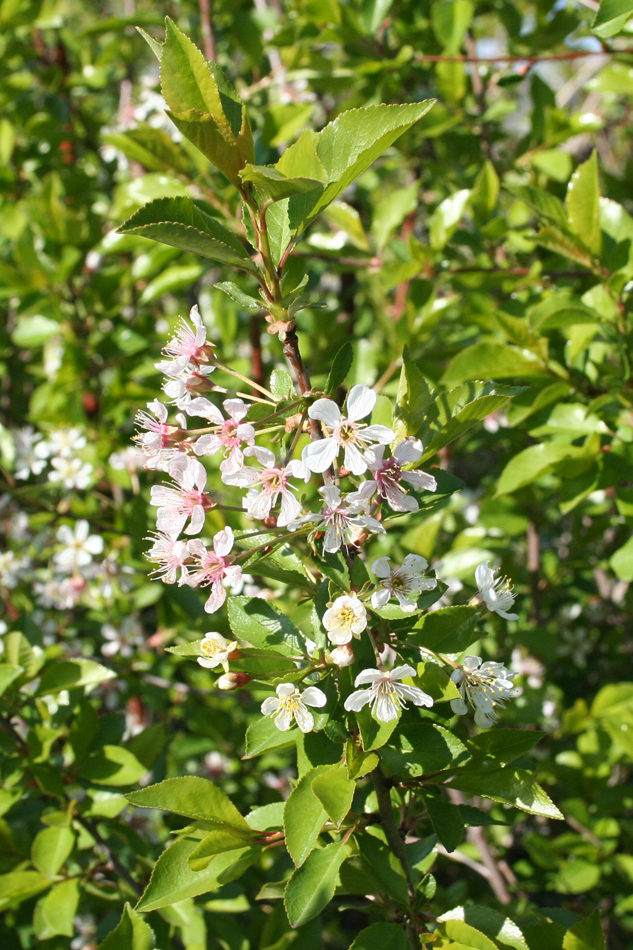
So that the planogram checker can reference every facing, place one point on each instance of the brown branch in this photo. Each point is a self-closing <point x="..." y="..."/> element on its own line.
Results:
<point x="476" y="836"/>
<point x="257" y="366"/>
<point x="534" y="569"/>
<point x="293" y="355"/>
<point x="207" y="29"/>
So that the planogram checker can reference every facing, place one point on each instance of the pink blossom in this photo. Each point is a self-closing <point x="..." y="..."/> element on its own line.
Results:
<point x="160" y="443"/>
<point x="188" y="500"/>
<point x="170" y="555"/>
<point x="213" y="567"/>
<point x="389" y="474"/>
<point x="231" y="433"/>
<point x="182" y="389"/>
<point x="269" y="484"/>
<point x="341" y="521"/>
<point x="188" y="346"/>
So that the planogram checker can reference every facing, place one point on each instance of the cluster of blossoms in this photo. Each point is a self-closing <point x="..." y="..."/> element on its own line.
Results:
<point x="367" y="474"/>
<point x="60" y="451"/>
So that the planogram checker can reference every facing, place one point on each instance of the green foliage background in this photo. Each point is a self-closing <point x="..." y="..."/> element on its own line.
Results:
<point x="482" y="243"/>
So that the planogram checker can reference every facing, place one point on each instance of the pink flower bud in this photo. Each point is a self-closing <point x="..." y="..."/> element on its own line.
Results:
<point x="233" y="680"/>
<point x="341" y="656"/>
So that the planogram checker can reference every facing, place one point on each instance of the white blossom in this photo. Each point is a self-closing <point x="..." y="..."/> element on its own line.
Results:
<point x="213" y="567"/>
<point x="345" y="432"/>
<point x="170" y="555"/>
<point x="486" y="686"/>
<point x="122" y="640"/>
<point x="497" y="593"/>
<point x="400" y="582"/>
<point x="79" y="546"/>
<point x="268" y="484"/>
<point x="70" y="472"/>
<point x="231" y="435"/>
<point x="181" y="390"/>
<point x="386" y="694"/>
<point x="342" y="522"/>
<point x="64" y="443"/>
<point x="188" y="346"/>
<point x="31" y="453"/>
<point x="346" y="618"/>
<point x="388" y="474"/>
<point x="216" y="650"/>
<point x="186" y="502"/>
<point x="160" y="443"/>
<point x="291" y="704"/>
<point x="12" y="568"/>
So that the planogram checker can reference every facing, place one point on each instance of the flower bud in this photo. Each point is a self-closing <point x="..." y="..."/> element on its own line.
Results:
<point x="233" y="680"/>
<point x="270" y="521"/>
<point x="341" y="656"/>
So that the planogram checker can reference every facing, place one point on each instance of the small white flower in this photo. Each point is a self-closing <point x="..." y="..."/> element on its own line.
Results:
<point x="342" y="522"/>
<point x="346" y="618"/>
<point x="186" y="501"/>
<point x="385" y="694"/>
<point x="161" y="442"/>
<point x="213" y="567"/>
<point x="345" y="432"/>
<point x="497" y="594"/>
<point x="267" y="485"/>
<point x="129" y="460"/>
<point x="231" y="435"/>
<point x="170" y="555"/>
<point x="11" y="569"/>
<point x="70" y="472"/>
<point x="123" y="639"/>
<point x="79" y="546"/>
<point x="486" y="686"/>
<point x="292" y="704"/>
<point x="189" y="346"/>
<point x="65" y="442"/>
<point x="404" y="580"/>
<point x="31" y="453"/>
<point x="216" y="651"/>
<point x="341" y="656"/>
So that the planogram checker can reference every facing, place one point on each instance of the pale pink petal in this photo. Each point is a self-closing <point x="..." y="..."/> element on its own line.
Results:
<point x="216" y="598"/>
<point x="223" y="542"/>
<point x="325" y="410"/>
<point x="354" y="461"/>
<point x="360" y="402"/>
<point x="421" y="481"/>
<point x="356" y="701"/>
<point x="319" y="455"/>
<point x="409" y="450"/>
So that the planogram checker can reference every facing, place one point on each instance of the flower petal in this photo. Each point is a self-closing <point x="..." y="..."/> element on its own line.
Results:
<point x="360" y="402"/>
<point x="356" y="701"/>
<point x="313" y="696"/>
<point x="319" y="455"/>
<point x="326" y="411"/>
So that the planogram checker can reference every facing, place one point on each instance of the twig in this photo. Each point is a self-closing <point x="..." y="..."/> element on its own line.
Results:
<point x="207" y="28"/>
<point x="91" y="827"/>
<point x="531" y="60"/>
<point x="534" y="569"/>
<point x="460" y="858"/>
<point x="476" y="837"/>
<point x="257" y="366"/>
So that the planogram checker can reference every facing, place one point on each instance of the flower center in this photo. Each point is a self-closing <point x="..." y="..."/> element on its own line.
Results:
<point x="228" y="434"/>
<point x="345" y="617"/>
<point x="211" y="647"/>
<point x="273" y="480"/>
<point x="346" y="432"/>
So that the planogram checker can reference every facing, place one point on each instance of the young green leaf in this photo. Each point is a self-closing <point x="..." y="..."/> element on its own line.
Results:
<point x="511" y="786"/>
<point x="273" y="185"/>
<point x="583" y="204"/>
<point x="193" y="797"/>
<point x="446" y="820"/>
<point x="340" y="368"/>
<point x="263" y="735"/>
<point x="113" y="765"/>
<point x="335" y="791"/>
<point x="51" y="848"/>
<point x="259" y="623"/>
<point x="55" y="912"/>
<point x="71" y="674"/>
<point x="304" y="817"/>
<point x="312" y="886"/>
<point x="218" y="841"/>
<point x="381" y="937"/>
<point x="491" y="923"/>
<point x="131" y="933"/>
<point x="612" y="17"/>
<point x="447" y="630"/>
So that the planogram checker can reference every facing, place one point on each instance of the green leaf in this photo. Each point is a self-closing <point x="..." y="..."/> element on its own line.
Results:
<point x="494" y="361"/>
<point x="455" y="412"/>
<point x="54" y="913"/>
<point x="413" y="399"/>
<point x="281" y="385"/>
<point x="465" y="937"/>
<point x="193" y="797"/>
<point x="547" y="206"/>
<point x="8" y="674"/>
<point x="263" y="735"/>
<point x="486" y="191"/>
<point x="217" y="841"/>
<point x="383" y="866"/>
<point x="154" y="45"/>
<point x="113" y="765"/>
<point x="259" y="623"/>
<point x="180" y="223"/>
<point x="359" y="763"/>
<point x="446" y="217"/>
<point x="530" y="464"/>
<point x="340" y="368"/>
<point x="312" y="886"/>
<point x="234" y="292"/>
<point x="20" y="885"/>
<point x="35" y="330"/>
<point x="422" y="748"/>
<point x="621" y="561"/>
<point x="335" y="791"/>
<point x="446" y="820"/>
<point x="391" y="211"/>
<point x="447" y="630"/>
<point x="504" y="745"/>
<point x="489" y="922"/>
<point x="70" y="674"/>
<point x="381" y="937"/>
<point x="373" y="733"/>
<point x="567" y="244"/>
<point x="583" y="204"/>
<point x="50" y="849"/>
<point x="274" y="185"/>
<point x="131" y="933"/>
<point x="153" y="148"/>
<point x="510" y="785"/>
<point x="304" y="817"/>
<point x="204" y="106"/>
<point x="611" y="19"/>
<point x="335" y="568"/>
<point x="173" y="879"/>
<point x="588" y="934"/>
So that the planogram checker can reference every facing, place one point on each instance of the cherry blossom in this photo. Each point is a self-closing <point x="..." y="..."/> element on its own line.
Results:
<point x="160" y="443"/>
<point x="232" y="433"/>
<point x="345" y="432"/>
<point x="386" y="694"/>
<point x="189" y="345"/>
<point x="486" y="686"/>
<point x="31" y="453"/>
<point x="389" y="474"/>
<point x="400" y="582"/>
<point x="216" y="650"/>
<point x="70" y="472"/>
<point x="122" y="640"/>
<point x="213" y="567"/>
<point x="11" y="569"/>
<point x="346" y="618"/>
<point x="79" y="546"/>
<point x="291" y="704"/>
<point x="170" y="555"/>
<point x="65" y="442"/>
<point x="268" y="484"/>
<point x="188" y="501"/>
<point x="497" y="593"/>
<point x="341" y="522"/>
<point x="183" y="389"/>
